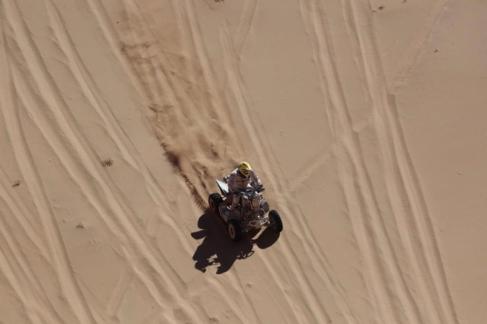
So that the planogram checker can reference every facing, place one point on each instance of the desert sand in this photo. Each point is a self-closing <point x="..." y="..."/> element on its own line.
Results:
<point x="365" y="119"/>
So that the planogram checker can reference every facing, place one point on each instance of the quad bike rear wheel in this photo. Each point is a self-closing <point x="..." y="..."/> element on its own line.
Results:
<point x="276" y="222"/>
<point x="214" y="200"/>
<point x="234" y="230"/>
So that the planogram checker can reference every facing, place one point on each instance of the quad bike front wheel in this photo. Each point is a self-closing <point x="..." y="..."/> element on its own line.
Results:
<point x="234" y="230"/>
<point x="276" y="222"/>
<point x="214" y="200"/>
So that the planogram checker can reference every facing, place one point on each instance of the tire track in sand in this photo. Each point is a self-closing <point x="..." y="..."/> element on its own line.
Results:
<point x="396" y="153"/>
<point x="123" y="227"/>
<point x="54" y="102"/>
<point x="266" y="159"/>
<point x="115" y="132"/>
<point x="235" y="48"/>
<point x="31" y="309"/>
<point x="16" y="264"/>
<point x="20" y="214"/>
<point x="245" y="25"/>
<point x="419" y="43"/>
<point x="372" y="236"/>
<point x="125" y="230"/>
<point x="57" y="248"/>
<point x="394" y="194"/>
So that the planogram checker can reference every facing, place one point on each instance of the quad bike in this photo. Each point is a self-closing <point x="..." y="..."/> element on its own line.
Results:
<point x="251" y="213"/>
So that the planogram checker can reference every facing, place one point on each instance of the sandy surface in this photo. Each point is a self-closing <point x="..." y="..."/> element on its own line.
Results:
<point x="365" y="119"/>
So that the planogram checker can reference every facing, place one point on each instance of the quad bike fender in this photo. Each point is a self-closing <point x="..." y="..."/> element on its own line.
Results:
<point x="223" y="186"/>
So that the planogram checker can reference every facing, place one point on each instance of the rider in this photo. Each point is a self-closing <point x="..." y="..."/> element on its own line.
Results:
<point x="240" y="179"/>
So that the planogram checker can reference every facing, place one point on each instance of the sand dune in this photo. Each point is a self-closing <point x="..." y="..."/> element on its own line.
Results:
<point x="364" y="119"/>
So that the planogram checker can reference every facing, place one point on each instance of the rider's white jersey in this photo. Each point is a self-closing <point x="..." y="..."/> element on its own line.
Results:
<point x="238" y="183"/>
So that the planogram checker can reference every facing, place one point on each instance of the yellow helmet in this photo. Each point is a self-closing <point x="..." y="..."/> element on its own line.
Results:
<point x="244" y="168"/>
